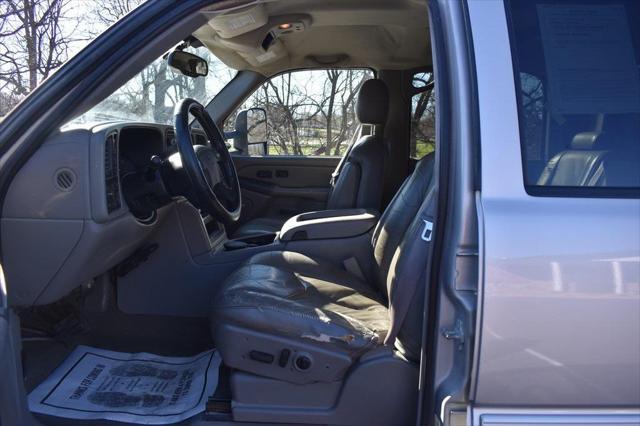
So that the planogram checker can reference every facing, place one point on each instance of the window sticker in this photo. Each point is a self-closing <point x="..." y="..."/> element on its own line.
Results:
<point x="589" y="58"/>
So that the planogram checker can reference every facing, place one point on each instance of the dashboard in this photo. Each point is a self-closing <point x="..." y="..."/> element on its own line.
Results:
<point x="69" y="205"/>
<point x="127" y="152"/>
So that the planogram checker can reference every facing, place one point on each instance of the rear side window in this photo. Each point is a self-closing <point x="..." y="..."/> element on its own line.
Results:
<point x="423" y="112"/>
<point x="576" y="66"/>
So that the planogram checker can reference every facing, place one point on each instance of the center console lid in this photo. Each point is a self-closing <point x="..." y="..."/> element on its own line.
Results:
<point x="329" y="224"/>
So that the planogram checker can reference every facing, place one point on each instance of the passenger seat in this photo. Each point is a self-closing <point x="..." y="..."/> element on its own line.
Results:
<point x="359" y="177"/>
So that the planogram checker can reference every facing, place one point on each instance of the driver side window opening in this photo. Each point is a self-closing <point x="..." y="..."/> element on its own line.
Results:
<point x="309" y="112"/>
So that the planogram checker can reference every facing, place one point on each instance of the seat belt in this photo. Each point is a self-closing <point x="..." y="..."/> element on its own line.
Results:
<point x="352" y="142"/>
<point x="418" y="252"/>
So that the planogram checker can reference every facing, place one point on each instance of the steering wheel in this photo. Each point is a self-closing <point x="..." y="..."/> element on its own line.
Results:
<point x="214" y="185"/>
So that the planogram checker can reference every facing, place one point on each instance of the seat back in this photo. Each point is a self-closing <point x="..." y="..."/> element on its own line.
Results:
<point x="361" y="173"/>
<point x="397" y="219"/>
<point x="401" y="257"/>
<point x="576" y="166"/>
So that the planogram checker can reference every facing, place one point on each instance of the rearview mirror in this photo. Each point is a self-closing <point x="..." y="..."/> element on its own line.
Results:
<point x="250" y="135"/>
<point x="188" y="64"/>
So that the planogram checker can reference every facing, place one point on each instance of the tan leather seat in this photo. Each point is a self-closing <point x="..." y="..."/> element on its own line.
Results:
<point x="283" y="303"/>
<point x="576" y="166"/>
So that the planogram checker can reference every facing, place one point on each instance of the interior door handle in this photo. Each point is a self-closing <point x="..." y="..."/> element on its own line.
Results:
<point x="282" y="173"/>
<point x="264" y="174"/>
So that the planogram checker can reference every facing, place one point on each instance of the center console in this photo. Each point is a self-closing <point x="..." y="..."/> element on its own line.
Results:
<point x="251" y="241"/>
<point x="327" y="224"/>
<point x="320" y="225"/>
<point x="195" y="256"/>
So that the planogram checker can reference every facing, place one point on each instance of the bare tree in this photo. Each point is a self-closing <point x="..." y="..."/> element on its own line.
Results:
<point x="285" y="105"/>
<point x="106" y="12"/>
<point x="146" y="94"/>
<point x="352" y="82"/>
<point x="7" y="102"/>
<point x="422" y="137"/>
<point x="32" y="43"/>
<point x="533" y="108"/>
<point x="336" y="106"/>
<point x="333" y="77"/>
<point x="311" y="114"/>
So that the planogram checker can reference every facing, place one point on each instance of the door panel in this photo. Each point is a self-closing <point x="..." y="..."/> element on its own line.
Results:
<point x="283" y="185"/>
<point x="558" y="331"/>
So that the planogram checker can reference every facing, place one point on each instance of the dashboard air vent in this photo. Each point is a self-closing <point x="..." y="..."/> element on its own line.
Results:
<point x="65" y="179"/>
<point x="111" y="178"/>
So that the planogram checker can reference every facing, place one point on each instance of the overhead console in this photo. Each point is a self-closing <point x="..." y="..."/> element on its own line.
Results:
<point x="252" y="34"/>
<point x="329" y="224"/>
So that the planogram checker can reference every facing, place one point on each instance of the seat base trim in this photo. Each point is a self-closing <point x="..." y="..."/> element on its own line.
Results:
<point x="379" y="389"/>
<point x="251" y="350"/>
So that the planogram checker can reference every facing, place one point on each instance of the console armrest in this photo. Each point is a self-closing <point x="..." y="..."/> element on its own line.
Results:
<point x="329" y="224"/>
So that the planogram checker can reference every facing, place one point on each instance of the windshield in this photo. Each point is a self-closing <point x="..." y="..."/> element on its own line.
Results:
<point x="151" y="95"/>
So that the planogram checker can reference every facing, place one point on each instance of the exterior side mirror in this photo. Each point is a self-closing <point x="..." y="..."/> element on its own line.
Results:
<point x="250" y="135"/>
<point x="188" y="64"/>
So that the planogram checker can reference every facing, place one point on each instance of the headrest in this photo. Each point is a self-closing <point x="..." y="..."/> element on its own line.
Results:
<point x="373" y="102"/>
<point x="585" y="140"/>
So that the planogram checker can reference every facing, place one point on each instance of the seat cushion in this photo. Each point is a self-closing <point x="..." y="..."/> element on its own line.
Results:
<point x="292" y="295"/>
<point x="261" y="225"/>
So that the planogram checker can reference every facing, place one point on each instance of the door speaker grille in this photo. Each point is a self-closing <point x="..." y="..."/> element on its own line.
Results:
<point x="65" y="179"/>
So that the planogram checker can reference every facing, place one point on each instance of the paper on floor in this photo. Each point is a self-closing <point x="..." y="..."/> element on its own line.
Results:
<point x="136" y="388"/>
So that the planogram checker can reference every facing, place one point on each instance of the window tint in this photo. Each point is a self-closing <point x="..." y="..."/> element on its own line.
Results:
<point x="309" y="112"/>
<point x="423" y="126"/>
<point x="578" y="83"/>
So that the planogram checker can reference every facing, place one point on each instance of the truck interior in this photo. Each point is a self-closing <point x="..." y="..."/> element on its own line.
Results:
<point x="307" y="273"/>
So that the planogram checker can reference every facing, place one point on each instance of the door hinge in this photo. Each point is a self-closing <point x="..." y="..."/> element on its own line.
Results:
<point x="457" y="334"/>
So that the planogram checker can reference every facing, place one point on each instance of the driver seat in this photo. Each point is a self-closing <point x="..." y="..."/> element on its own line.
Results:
<point x="359" y="176"/>
<point x="304" y="319"/>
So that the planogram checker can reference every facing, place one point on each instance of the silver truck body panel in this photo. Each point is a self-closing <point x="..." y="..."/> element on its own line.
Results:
<point x="559" y="315"/>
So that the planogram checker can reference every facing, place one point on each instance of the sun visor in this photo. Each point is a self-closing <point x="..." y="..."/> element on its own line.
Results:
<point x="236" y="23"/>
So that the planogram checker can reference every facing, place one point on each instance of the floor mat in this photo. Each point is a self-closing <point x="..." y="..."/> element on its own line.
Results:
<point x="136" y="388"/>
<point x="115" y="331"/>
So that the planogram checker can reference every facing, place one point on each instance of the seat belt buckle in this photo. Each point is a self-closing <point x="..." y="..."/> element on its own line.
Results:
<point x="427" y="231"/>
